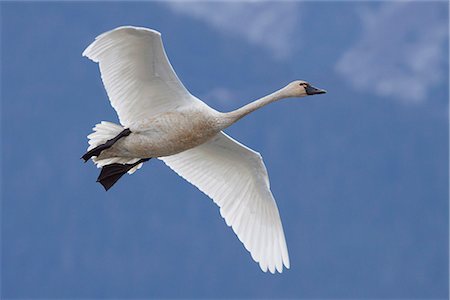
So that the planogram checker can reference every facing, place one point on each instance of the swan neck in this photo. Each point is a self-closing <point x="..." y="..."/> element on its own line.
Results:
<point x="239" y="113"/>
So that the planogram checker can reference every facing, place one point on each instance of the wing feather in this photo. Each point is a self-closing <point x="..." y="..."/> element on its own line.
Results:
<point x="136" y="73"/>
<point x="235" y="177"/>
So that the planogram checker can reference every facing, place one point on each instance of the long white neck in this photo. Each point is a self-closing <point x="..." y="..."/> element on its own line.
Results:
<point x="235" y="115"/>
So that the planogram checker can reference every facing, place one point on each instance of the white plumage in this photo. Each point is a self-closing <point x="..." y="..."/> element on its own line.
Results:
<point x="235" y="177"/>
<point x="167" y="122"/>
<point x="137" y="75"/>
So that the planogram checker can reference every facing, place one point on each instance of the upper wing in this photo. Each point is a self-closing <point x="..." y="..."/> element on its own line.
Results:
<point x="235" y="177"/>
<point x="137" y="75"/>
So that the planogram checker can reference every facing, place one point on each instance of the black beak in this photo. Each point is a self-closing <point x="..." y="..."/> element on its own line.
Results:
<point x="310" y="90"/>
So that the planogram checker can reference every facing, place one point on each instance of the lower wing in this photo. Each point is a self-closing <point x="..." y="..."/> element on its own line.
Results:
<point x="235" y="177"/>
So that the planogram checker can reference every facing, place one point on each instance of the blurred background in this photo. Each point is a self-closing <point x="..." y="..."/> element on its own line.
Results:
<point x="360" y="174"/>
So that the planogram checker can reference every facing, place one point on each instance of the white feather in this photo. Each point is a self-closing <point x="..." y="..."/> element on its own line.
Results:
<point x="235" y="177"/>
<point x="105" y="131"/>
<point x="137" y="75"/>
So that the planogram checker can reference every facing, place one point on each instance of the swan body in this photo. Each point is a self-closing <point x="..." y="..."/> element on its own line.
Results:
<point x="161" y="119"/>
<point x="167" y="133"/>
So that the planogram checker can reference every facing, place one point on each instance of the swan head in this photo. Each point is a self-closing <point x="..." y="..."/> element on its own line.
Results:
<point x="300" y="88"/>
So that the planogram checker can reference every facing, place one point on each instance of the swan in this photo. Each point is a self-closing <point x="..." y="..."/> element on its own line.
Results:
<point x="159" y="118"/>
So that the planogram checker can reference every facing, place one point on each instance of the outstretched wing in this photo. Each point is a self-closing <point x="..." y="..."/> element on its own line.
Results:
<point x="235" y="177"/>
<point x="137" y="75"/>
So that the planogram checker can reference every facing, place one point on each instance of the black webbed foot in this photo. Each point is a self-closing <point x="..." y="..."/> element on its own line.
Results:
<point x="110" y="174"/>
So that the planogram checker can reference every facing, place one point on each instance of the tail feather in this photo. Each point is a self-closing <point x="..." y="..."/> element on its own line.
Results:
<point x="103" y="132"/>
<point x="108" y="144"/>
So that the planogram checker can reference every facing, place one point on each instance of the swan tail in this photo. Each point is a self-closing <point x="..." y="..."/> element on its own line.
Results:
<point x="104" y="136"/>
<point x="110" y="174"/>
<point x="108" y="144"/>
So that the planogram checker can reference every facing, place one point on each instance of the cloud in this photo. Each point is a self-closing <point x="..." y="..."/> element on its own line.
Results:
<point x="220" y="95"/>
<point x="401" y="52"/>
<point x="268" y="24"/>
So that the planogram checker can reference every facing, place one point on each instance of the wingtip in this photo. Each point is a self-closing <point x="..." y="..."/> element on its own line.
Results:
<point x="287" y="265"/>
<point x="126" y="28"/>
<point x="87" y="53"/>
<point x="263" y="267"/>
<point x="137" y="28"/>
<point x="83" y="54"/>
<point x="271" y="269"/>
<point x="279" y="268"/>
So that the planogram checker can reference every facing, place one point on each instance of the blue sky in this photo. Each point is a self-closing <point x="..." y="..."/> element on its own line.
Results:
<point x="360" y="174"/>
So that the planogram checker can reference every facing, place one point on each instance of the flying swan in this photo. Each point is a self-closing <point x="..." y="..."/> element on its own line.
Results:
<point x="160" y="119"/>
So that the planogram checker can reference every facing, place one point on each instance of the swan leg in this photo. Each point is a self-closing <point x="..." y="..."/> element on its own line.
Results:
<point x="108" y="144"/>
<point x="110" y="174"/>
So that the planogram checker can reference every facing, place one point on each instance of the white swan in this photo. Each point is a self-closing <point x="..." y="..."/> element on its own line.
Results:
<point x="161" y="119"/>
